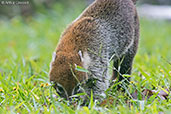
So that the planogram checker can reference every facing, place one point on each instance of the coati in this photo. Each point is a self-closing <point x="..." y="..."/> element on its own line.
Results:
<point x="107" y="30"/>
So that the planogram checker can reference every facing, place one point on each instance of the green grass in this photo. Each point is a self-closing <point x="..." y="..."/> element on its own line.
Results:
<point x="26" y="47"/>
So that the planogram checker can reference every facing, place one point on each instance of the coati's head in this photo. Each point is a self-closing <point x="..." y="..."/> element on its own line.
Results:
<point x="63" y="74"/>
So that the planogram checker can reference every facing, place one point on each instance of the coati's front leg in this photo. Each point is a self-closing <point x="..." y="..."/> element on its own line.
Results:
<point x="120" y="67"/>
<point x="123" y="65"/>
<point x="98" y="75"/>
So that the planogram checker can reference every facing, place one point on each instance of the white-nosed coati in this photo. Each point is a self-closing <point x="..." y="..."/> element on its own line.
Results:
<point x="106" y="30"/>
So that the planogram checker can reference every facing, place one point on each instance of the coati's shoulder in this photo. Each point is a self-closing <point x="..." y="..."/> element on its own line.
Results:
<point x="78" y="33"/>
<point x="84" y="25"/>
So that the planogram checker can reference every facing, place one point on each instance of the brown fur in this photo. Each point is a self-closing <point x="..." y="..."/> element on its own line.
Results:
<point x="88" y="32"/>
<point x="68" y="54"/>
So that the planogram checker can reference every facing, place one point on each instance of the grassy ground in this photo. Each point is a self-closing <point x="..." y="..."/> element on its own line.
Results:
<point x="26" y="47"/>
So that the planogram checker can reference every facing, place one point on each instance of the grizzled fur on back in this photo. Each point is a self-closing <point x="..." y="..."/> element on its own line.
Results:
<point x="106" y="30"/>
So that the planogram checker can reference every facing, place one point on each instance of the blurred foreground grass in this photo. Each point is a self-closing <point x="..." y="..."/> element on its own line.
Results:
<point x="26" y="47"/>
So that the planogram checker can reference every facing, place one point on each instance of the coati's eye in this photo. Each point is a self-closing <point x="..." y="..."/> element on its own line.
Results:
<point x="61" y="91"/>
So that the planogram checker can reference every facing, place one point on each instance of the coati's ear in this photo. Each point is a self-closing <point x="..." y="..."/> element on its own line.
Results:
<point x="53" y="59"/>
<point x="81" y="55"/>
<point x="53" y="56"/>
